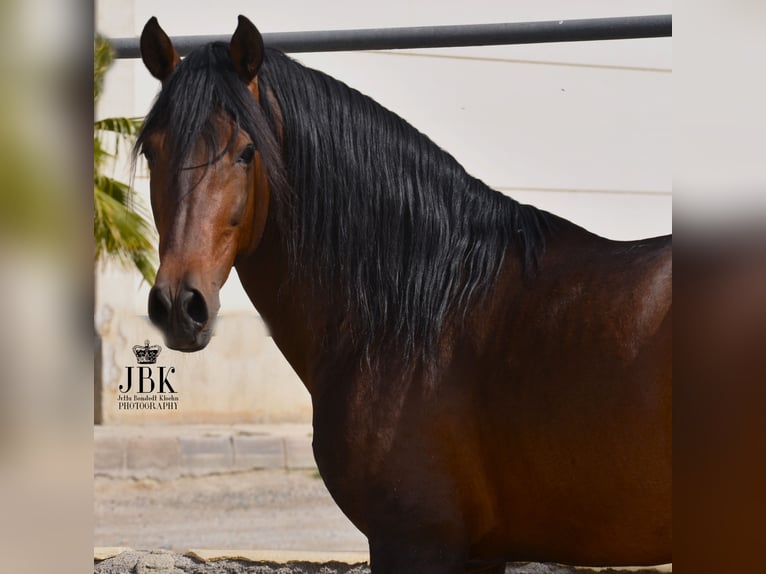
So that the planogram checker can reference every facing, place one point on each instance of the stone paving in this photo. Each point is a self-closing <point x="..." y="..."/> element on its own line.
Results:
<point x="194" y="450"/>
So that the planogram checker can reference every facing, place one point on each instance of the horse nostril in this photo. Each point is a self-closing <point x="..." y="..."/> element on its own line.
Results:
<point x="195" y="306"/>
<point x="159" y="307"/>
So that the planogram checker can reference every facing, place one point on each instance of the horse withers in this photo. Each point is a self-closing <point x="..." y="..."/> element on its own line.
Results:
<point x="490" y="382"/>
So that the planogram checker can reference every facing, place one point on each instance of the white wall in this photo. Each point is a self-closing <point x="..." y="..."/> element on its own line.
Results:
<point x="579" y="129"/>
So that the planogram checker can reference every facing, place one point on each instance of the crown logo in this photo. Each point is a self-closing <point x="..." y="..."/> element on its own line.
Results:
<point x="146" y="354"/>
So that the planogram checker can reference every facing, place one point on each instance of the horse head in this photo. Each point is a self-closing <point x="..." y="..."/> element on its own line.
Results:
<point x="209" y="189"/>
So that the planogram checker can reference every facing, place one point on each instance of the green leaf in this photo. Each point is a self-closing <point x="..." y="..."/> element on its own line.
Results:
<point x="121" y="233"/>
<point x="126" y="127"/>
<point x="115" y="131"/>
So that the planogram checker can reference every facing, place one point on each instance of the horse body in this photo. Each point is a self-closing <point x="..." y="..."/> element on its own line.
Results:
<point x="576" y="420"/>
<point x="531" y="459"/>
<point x="532" y="421"/>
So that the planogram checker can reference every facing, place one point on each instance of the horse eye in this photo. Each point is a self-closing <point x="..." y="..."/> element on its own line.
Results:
<point x="246" y="157"/>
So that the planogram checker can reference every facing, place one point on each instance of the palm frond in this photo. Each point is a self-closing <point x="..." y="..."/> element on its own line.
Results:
<point x="113" y="132"/>
<point x="121" y="232"/>
<point x="125" y="127"/>
<point x="100" y="155"/>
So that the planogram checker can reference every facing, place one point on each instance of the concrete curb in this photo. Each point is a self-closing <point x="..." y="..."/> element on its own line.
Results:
<point x="197" y="450"/>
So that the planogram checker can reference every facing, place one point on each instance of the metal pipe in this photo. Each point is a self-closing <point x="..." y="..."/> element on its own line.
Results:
<point x="622" y="28"/>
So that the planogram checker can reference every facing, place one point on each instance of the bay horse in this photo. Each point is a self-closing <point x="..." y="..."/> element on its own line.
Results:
<point x="489" y="382"/>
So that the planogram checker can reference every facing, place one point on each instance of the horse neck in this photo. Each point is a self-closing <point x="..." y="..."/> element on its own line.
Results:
<point x="280" y="301"/>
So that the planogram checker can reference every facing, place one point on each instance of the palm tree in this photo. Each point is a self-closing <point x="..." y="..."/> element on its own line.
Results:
<point x="121" y="227"/>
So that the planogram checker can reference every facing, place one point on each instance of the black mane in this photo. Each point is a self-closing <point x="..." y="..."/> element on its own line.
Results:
<point x="388" y="228"/>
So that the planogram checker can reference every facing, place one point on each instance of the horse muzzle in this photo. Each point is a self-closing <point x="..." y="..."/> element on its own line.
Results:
<point x="184" y="315"/>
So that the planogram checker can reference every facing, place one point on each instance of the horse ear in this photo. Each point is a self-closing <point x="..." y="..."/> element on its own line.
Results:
<point x="157" y="51"/>
<point x="246" y="49"/>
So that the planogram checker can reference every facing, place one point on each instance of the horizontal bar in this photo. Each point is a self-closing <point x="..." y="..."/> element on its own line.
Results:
<point x="622" y="28"/>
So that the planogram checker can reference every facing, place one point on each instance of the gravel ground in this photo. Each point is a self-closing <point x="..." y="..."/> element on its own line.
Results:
<point x="143" y="563"/>
<point x="154" y="563"/>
